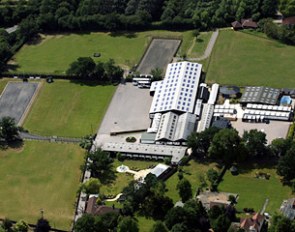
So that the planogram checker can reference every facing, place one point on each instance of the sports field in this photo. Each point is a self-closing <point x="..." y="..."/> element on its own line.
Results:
<point x="243" y="59"/>
<point x="40" y="175"/>
<point x="54" y="53"/>
<point x="64" y="108"/>
<point x="253" y="191"/>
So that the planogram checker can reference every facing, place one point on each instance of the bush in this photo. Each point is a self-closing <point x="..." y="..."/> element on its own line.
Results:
<point x="167" y="161"/>
<point x="291" y="131"/>
<point x="184" y="160"/>
<point x="131" y="139"/>
<point x="120" y="157"/>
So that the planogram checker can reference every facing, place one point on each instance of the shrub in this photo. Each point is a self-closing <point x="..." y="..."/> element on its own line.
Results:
<point x="131" y="139"/>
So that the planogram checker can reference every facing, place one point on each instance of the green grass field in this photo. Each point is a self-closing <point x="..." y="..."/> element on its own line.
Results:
<point x="40" y="176"/>
<point x="200" y="44"/>
<point x="123" y="179"/>
<point x="192" y="171"/>
<point x="253" y="192"/>
<point x="54" y="53"/>
<point x="64" y="108"/>
<point x="243" y="59"/>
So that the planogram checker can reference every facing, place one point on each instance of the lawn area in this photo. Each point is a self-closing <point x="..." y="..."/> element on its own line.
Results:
<point x="40" y="175"/>
<point x="64" y="108"/>
<point x="200" y="44"/>
<point x="123" y="179"/>
<point x="192" y="171"/>
<point x="244" y="59"/>
<point x="54" y="53"/>
<point x="253" y="192"/>
<point x="145" y="224"/>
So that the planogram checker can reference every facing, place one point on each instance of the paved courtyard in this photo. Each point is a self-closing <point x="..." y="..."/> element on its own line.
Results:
<point x="128" y="111"/>
<point x="273" y="130"/>
<point x="16" y="98"/>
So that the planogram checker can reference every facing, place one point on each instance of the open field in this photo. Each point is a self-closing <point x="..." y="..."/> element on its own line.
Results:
<point x="192" y="171"/>
<point x="40" y="176"/>
<point x="16" y="98"/>
<point x="253" y="191"/>
<point x="64" y="108"/>
<point x="243" y="59"/>
<point x="54" y="53"/>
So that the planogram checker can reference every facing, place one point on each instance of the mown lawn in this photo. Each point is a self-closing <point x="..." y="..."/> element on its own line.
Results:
<point x="54" y="53"/>
<point x="192" y="171"/>
<point x="37" y="176"/>
<point x="246" y="59"/>
<point x="254" y="191"/>
<point x="123" y="179"/>
<point x="66" y="108"/>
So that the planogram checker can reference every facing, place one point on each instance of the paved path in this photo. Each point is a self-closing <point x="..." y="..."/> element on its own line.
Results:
<point x="208" y="50"/>
<point x="264" y="206"/>
<point x="116" y="198"/>
<point x="28" y="136"/>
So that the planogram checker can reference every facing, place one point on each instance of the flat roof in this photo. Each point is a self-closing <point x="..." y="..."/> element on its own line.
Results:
<point x="176" y="152"/>
<point x="260" y="94"/>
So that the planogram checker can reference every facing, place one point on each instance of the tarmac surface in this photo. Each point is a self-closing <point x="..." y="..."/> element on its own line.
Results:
<point x="159" y="55"/>
<point x="16" y="98"/>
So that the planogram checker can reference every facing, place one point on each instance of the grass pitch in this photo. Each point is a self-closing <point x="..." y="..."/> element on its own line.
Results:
<point x="54" y="53"/>
<point x="64" y="108"/>
<point x="40" y="176"/>
<point x="243" y="59"/>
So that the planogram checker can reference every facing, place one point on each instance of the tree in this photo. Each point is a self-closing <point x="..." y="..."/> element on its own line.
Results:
<point x="196" y="33"/>
<point x="213" y="177"/>
<point x="83" y="67"/>
<point x="128" y="224"/>
<point x="174" y="216"/>
<point x="281" y="223"/>
<point x="280" y="146"/>
<point x="8" y="129"/>
<point x="157" y="74"/>
<point x="21" y="226"/>
<point x="101" y="163"/>
<point x="179" y="227"/>
<point x="42" y="225"/>
<point x="286" y="165"/>
<point x="159" y="226"/>
<point x="91" y="186"/>
<point x="113" y="72"/>
<point x="88" y="223"/>
<point x="221" y="224"/>
<point x="200" y="142"/>
<point x="184" y="189"/>
<point x="255" y="142"/>
<point x="226" y="146"/>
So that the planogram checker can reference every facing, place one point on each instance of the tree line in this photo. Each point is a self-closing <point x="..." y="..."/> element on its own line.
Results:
<point x="50" y="15"/>
<point x="227" y="147"/>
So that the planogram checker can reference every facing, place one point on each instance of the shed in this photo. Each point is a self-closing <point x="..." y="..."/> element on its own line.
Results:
<point x="236" y="25"/>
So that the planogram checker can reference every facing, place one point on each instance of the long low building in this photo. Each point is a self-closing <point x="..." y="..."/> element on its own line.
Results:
<point x="148" y="151"/>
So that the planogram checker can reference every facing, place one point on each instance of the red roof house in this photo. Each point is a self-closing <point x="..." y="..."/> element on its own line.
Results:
<point x="289" y="21"/>
<point x="253" y="224"/>
<point x="95" y="209"/>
